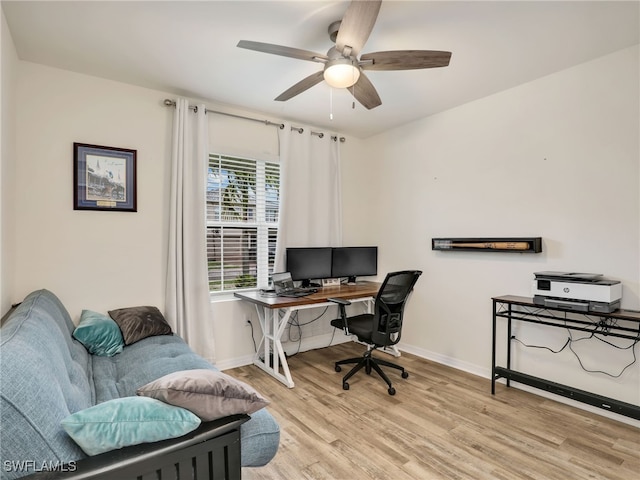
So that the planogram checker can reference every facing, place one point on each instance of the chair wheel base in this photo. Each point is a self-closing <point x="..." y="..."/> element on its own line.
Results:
<point x="369" y="363"/>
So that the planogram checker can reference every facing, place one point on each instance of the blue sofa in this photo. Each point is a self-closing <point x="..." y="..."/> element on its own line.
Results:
<point x="46" y="375"/>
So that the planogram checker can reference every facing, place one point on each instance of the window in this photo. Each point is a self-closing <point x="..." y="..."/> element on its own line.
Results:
<point x="243" y="198"/>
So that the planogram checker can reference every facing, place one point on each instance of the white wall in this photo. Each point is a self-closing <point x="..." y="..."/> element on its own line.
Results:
<point x="90" y="259"/>
<point x="556" y="158"/>
<point x="8" y="67"/>
<point x="106" y="260"/>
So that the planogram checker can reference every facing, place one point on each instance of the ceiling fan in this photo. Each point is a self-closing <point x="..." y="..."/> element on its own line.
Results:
<point x="342" y="66"/>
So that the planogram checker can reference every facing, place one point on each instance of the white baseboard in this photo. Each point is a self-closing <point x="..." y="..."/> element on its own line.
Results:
<point x="444" y="360"/>
<point x="234" y="362"/>
<point x="290" y="348"/>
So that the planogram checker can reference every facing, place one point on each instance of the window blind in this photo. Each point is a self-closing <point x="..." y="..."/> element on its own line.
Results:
<point x="243" y="200"/>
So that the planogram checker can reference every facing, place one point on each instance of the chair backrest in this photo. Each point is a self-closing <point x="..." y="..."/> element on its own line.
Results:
<point x="389" y="306"/>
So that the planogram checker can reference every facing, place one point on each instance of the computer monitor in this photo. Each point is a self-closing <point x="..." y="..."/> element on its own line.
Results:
<point x="309" y="263"/>
<point x="354" y="262"/>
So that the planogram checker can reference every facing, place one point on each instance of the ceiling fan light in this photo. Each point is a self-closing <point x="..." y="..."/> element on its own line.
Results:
<point x="341" y="73"/>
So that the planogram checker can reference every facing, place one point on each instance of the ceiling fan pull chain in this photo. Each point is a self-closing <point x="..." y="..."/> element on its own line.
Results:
<point x="353" y="92"/>
<point x="331" y="104"/>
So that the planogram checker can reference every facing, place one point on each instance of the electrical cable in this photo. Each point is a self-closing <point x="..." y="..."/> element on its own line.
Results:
<point x="255" y="347"/>
<point x="293" y="322"/>
<point x="602" y="325"/>
<point x="594" y="334"/>
<point x="542" y="347"/>
<point x="333" y="334"/>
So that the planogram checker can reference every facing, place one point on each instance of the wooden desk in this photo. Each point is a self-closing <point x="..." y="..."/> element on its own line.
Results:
<point x="274" y="314"/>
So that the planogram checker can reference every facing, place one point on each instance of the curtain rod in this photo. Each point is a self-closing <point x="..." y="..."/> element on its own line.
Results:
<point x="171" y="103"/>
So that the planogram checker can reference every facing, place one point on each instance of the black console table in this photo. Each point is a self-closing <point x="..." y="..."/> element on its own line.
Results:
<point x="515" y="308"/>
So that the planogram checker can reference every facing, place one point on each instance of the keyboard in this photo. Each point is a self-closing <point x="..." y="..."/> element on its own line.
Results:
<point x="297" y="292"/>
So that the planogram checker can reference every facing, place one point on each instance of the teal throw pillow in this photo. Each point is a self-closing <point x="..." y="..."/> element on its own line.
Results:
<point x="127" y="421"/>
<point x="99" y="333"/>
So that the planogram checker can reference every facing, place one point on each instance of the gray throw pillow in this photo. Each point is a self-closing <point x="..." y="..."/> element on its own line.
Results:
<point x="137" y="323"/>
<point x="207" y="393"/>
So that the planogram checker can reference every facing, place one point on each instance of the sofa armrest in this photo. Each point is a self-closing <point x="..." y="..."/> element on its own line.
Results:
<point x="212" y="447"/>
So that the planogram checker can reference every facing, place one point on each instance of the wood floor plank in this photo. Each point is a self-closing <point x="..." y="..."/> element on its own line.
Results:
<point x="442" y="424"/>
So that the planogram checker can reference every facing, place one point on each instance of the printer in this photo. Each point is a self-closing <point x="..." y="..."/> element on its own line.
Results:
<point x="581" y="292"/>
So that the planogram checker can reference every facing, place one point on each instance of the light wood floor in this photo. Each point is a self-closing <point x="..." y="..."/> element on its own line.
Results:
<point x="441" y="424"/>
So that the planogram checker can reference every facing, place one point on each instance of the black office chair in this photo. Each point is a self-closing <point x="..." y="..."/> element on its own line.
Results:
<point x="379" y="329"/>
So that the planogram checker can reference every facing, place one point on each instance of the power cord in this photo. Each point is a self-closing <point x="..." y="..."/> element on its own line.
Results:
<point x="543" y="347"/>
<point x="594" y="335"/>
<point x="293" y="322"/>
<point x="604" y="326"/>
<point x="255" y="347"/>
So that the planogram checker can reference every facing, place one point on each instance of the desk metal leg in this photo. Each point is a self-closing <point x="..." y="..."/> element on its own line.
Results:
<point x="509" y="343"/>
<point x="270" y="355"/>
<point x="495" y="376"/>
<point x="493" y="352"/>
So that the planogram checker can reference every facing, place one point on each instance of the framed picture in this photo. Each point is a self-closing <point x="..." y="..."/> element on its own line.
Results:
<point x="104" y="178"/>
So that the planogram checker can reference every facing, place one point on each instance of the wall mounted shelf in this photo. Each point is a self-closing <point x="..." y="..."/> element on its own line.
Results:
<point x="489" y="244"/>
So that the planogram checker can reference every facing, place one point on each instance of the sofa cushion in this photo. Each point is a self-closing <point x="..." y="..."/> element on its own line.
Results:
<point x="156" y="357"/>
<point x="99" y="334"/>
<point x="137" y="323"/>
<point x="127" y="421"/>
<point x="208" y="394"/>
<point x="153" y="357"/>
<point x="45" y="376"/>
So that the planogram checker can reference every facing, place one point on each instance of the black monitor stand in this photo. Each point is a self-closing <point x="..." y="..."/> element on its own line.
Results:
<point x="351" y="281"/>
<point x="306" y="283"/>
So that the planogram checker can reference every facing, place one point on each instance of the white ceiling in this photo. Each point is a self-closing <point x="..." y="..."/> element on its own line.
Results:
<point x="189" y="48"/>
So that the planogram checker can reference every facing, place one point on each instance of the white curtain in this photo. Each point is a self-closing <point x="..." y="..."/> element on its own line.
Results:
<point x="310" y="192"/>
<point x="188" y="308"/>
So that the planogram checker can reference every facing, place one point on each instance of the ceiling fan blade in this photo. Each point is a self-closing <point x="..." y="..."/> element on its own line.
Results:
<point x="283" y="51"/>
<point x="356" y="25"/>
<point x="301" y="86"/>
<point x="404" y="60"/>
<point x="365" y="92"/>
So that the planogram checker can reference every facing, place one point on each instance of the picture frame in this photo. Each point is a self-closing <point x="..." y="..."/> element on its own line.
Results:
<point x="104" y="178"/>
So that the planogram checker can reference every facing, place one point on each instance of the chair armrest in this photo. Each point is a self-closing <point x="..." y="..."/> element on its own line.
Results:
<point x="106" y="466"/>
<point x="339" y="301"/>
<point x="343" y="312"/>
